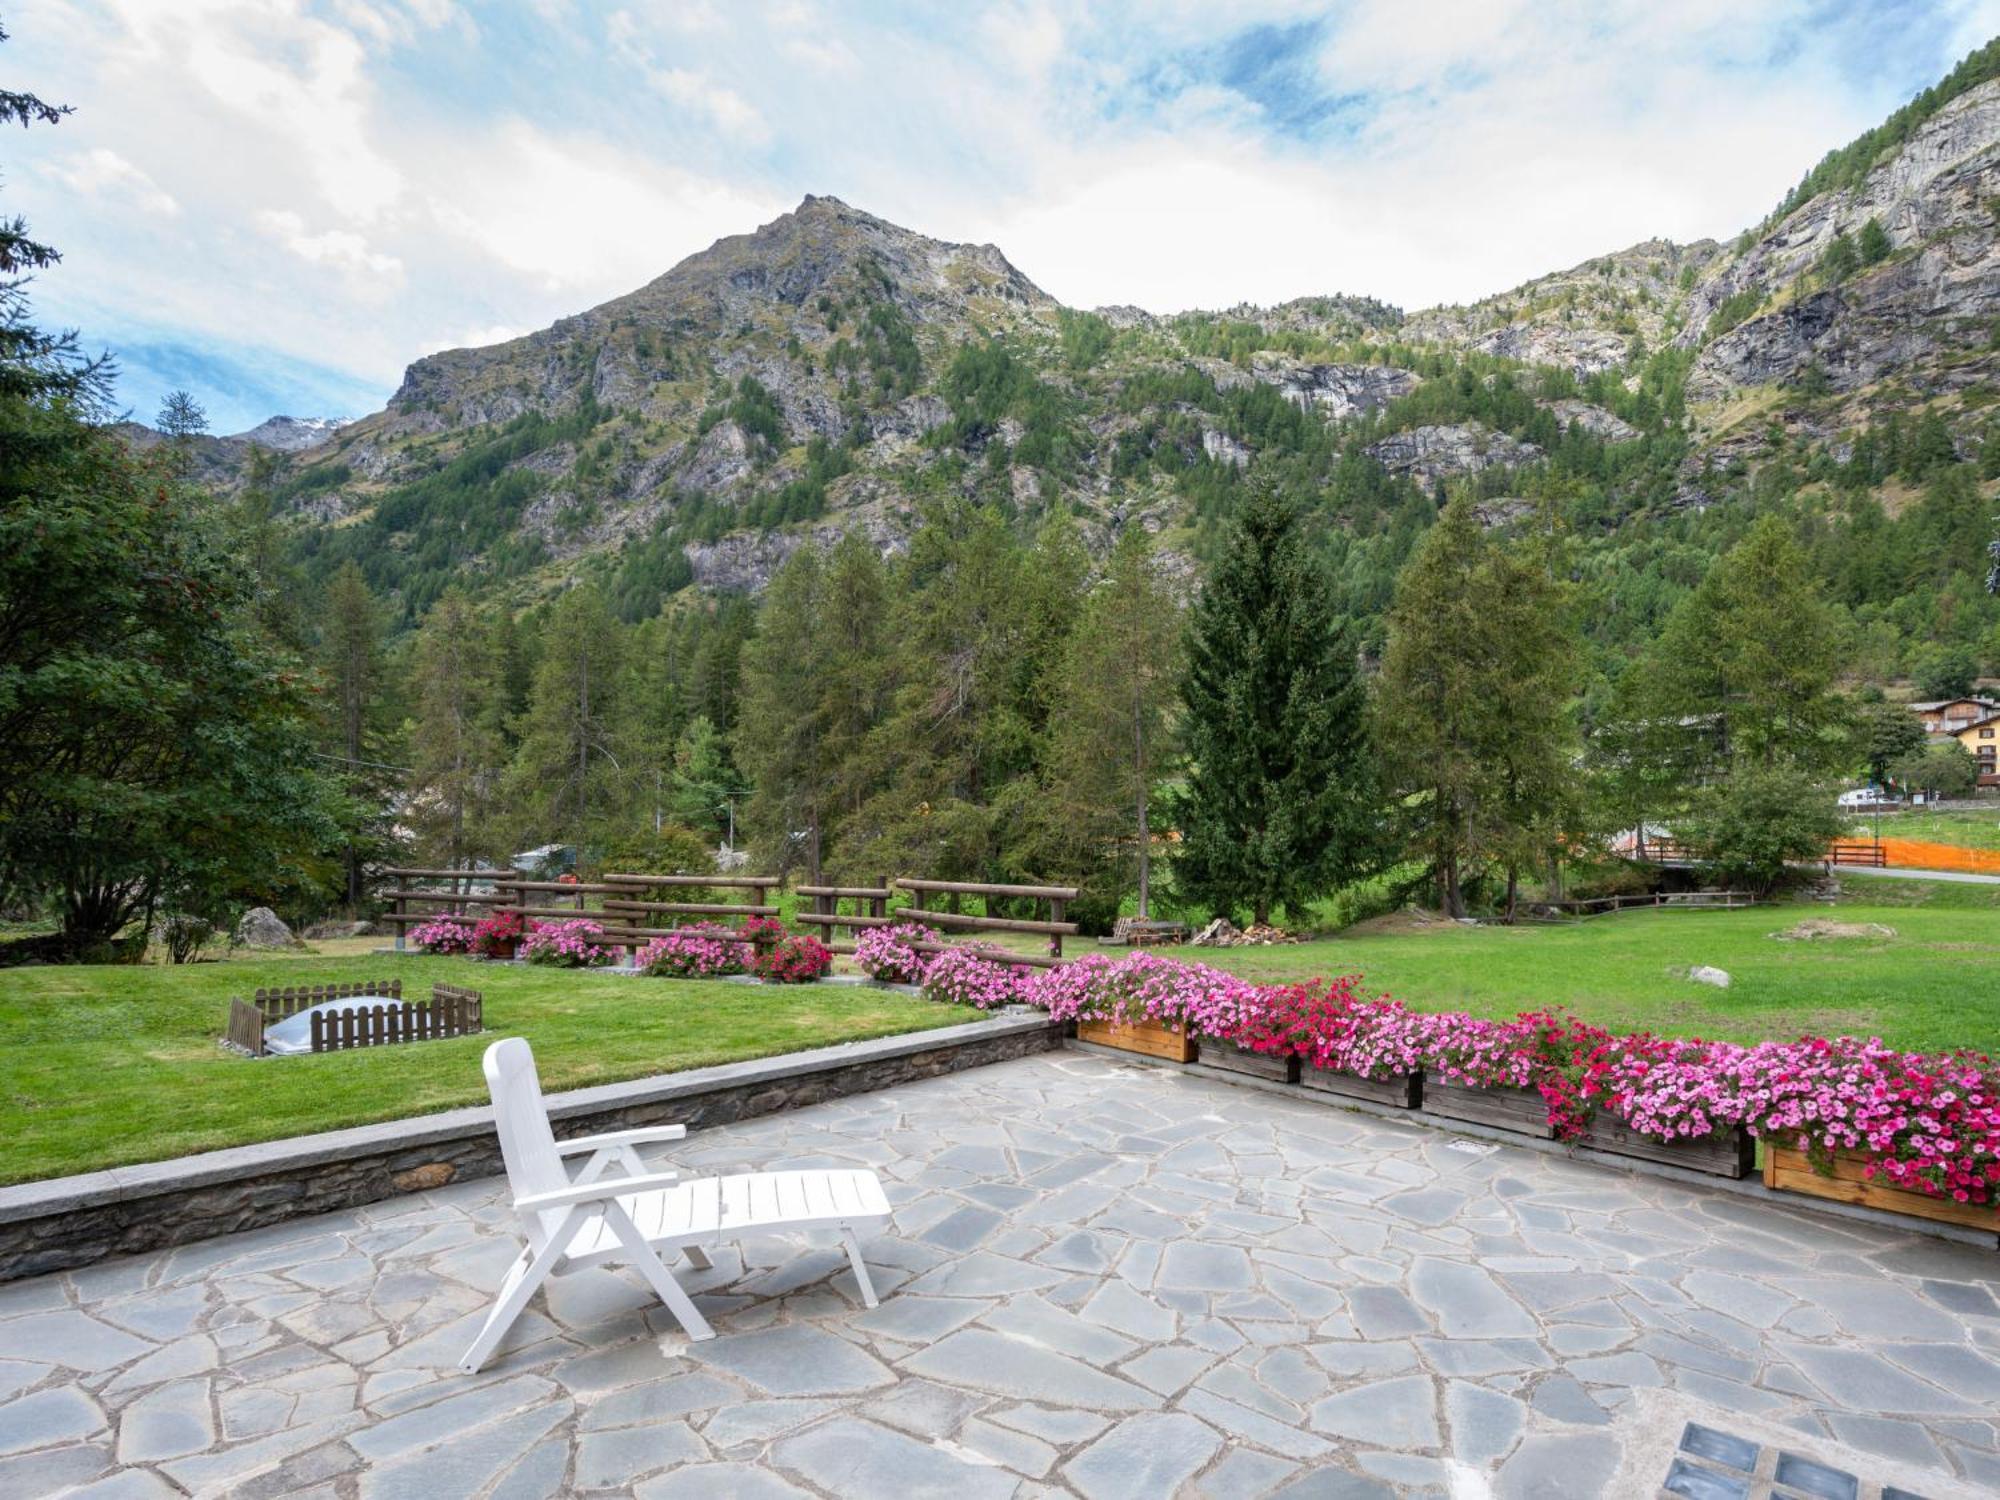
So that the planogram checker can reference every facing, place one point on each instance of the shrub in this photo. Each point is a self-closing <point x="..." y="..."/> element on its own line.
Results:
<point x="568" y="944"/>
<point x="796" y="960"/>
<point x="889" y="954"/>
<point x="969" y="975"/>
<point x="704" y="950"/>
<point x="442" y="936"/>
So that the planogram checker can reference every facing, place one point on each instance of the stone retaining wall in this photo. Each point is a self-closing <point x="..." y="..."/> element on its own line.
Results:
<point x="75" y="1221"/>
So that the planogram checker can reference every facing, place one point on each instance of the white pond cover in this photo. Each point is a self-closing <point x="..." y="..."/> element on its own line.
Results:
<point x="293" y="1035"/>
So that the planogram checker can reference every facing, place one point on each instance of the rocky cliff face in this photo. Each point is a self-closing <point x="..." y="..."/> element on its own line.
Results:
<point x="806" y="378"/>
<point x="1431" y="455"/>
<point x="1926" y="313"/>
<point x="1586" y="319"/>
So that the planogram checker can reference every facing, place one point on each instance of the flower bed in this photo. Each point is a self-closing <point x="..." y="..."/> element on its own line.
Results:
<point x="889" y="955"/>
<point x="442" y="935"/>
<point x="498" y="935"/>
<point x="799" y="959"/>
<point x="1147" y="987"/>
<point x="969" y="975"/>
<point x="703" y="950"/>
<point x="1912" y="1128"/>
<point x="568" y="944"/>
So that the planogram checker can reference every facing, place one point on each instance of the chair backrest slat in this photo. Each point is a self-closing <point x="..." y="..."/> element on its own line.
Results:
<point x="527" y="1145"/>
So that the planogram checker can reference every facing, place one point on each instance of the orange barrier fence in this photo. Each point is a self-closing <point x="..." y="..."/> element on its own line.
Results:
<point x="1918" y="854"/>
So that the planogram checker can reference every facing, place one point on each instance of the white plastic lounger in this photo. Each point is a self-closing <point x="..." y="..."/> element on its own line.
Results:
<point x="591" y="1219"/>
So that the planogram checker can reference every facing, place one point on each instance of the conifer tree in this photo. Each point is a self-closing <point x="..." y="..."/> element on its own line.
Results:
<point x="1109" y="738"/>
<point x="358" y="714"/>
<point x="568" y="775"/>
<point x="456" y="757"/>
<point x="781" y="738"/>
<point x="953" y="760"/>
<point x="1279" y="805"/>
<point x="1745" y="666"/>
<point x="858" y="675"/>
<point x="1873" y="243"/>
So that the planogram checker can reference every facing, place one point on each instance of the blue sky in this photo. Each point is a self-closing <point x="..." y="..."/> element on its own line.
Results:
<point x="277" y="204"/>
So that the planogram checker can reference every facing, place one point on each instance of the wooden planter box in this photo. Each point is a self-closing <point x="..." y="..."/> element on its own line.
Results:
<point x="1231" y="1058"/>
<point x="1732" y="1155"/>
<point x="1521" y="1110"/>
<point x="1403" y="1091"/>
<point x="1790" y="1172"/>
<point x="1142" y="1037"/>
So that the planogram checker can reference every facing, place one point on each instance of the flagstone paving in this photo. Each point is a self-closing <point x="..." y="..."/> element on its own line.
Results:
<point x="1102" y="1280"/>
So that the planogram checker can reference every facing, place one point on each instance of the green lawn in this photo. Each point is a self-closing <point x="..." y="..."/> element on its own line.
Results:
<point x="103" y="1066"/>
<point x="1962" y="829"/>
<point x="1936" y="984"/>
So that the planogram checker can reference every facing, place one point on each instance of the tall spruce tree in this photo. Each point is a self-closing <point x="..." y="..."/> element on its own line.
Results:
<point x="358" y="716"/>
<point x="1280" y="803"/>
<point x="1746" y="665"/>
<point x="782" y="729"/>
<point x="1110" y="739"/>
<point x="568" y="779"/>
<point x="456" y="756"/>
<point x="857" y="682"/>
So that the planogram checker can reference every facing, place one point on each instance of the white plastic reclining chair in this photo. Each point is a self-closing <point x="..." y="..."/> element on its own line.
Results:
<point x="587" y="1220"/>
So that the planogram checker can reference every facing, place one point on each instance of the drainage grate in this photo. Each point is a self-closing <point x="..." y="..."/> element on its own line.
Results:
<point x="1715" y="1465"/>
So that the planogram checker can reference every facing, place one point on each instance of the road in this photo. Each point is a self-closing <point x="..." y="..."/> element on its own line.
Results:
<point x="1959" y="877"/>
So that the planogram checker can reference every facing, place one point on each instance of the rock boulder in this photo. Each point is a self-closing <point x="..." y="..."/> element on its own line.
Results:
<point x="262" y="928"/>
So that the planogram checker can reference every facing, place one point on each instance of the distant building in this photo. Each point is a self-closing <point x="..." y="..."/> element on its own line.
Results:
<point x="1948" y="716"/>
<point x="1982" y="737"/>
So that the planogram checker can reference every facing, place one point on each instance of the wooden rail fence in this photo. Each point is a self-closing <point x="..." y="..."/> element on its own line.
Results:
<point x="627" y="907"/>
<point x="1057" y="898"/>
<point x="827" y="915"/>
<point x="829" y="918"/>
<point x="1599" y="906"/>
<point x="630" y="907"/>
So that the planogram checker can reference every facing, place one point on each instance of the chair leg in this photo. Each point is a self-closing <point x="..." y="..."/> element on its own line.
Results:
<point x="860" y="1267"/>
<point x="697" y="1257"/>
<point x="656" y="1273"/>
<point x="523" y="1278"/>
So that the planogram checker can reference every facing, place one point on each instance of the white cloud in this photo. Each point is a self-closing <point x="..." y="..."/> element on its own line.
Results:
<point x="339" y="249"/>
<point x="580" y="217"/>
<point x="102" y="173"/>
<point x="726" y="109"/>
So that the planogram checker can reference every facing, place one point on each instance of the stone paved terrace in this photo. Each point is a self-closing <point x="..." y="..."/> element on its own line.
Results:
<point x="1103" y="1280"/>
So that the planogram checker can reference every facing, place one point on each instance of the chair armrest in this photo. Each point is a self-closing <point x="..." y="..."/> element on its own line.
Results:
<point x="596" y="1192"/>
<point x="613" y="1139"/>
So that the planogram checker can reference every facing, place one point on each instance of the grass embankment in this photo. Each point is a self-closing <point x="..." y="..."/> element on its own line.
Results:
<point x="104" y="1066"/>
